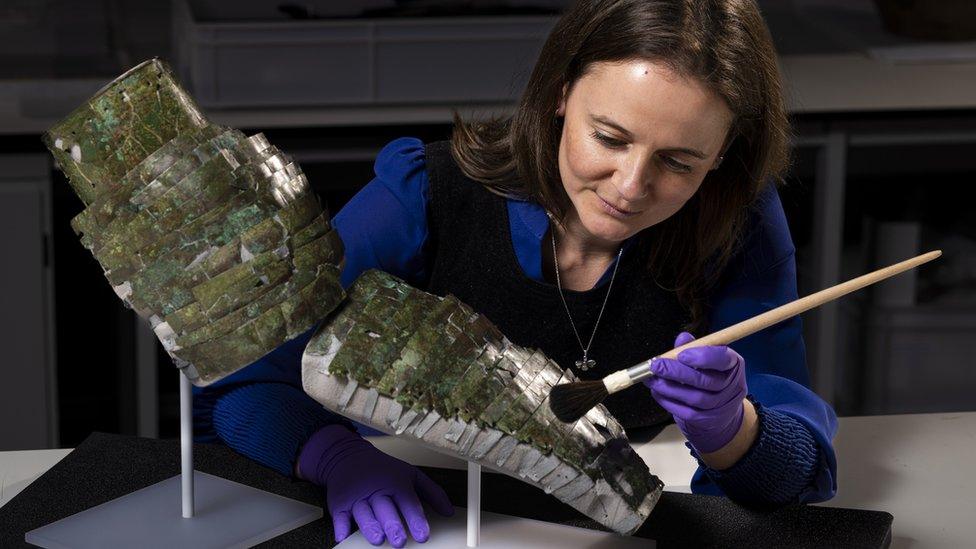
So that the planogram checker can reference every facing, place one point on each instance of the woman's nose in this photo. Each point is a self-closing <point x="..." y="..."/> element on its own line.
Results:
<point x="634" y="180"/>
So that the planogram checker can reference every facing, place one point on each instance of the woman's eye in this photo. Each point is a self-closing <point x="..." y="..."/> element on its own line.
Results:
<point x="608" y="141"/>
<point x="676" y="166"/>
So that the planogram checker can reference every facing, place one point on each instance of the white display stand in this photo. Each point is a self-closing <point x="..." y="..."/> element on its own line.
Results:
<point x="218" y="513"/>
<point x="215" y="512"/>
<point x="473" y="527"/>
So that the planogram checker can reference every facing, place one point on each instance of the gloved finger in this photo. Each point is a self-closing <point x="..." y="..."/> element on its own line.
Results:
<point x="388" y="517"/>
<point x="676" y="370"/>
<point x="433" y="494"/>
<point x="698" y="399"/>
<point x="692" y="415"/>
<point x="676" y="408"/>
<point x="368" y="525"/>
<point x="342" y="525"/>
<point x="710" y="357"/>
<point x="413" y="513"/>
<point x="683" y="337"/>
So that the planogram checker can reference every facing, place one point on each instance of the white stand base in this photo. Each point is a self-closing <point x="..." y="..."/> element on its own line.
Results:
<point x="506" y="532"/>
<point x="227" y="514"/>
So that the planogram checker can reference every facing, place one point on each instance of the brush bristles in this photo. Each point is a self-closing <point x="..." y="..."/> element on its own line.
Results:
<point x="571" y="401"/>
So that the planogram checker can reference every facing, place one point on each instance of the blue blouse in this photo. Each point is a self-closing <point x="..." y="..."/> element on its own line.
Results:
<point x="262" y="412"/>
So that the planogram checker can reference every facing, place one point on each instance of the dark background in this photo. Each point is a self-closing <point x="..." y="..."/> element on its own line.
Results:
<point x="881" y="172"/>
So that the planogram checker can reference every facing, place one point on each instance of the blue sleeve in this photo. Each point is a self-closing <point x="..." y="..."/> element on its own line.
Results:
<point x="384" y="226"/>
<point x="796" y="426"/>
<point x="261" y="410"/>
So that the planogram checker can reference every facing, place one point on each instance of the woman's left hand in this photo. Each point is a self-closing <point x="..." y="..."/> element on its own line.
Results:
<point x="704" y="390"/>
<point x="365" y="485"/>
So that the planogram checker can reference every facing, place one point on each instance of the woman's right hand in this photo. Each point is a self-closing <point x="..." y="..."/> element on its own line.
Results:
<point x="705" y="390"/>
<point x="369" y="486"/>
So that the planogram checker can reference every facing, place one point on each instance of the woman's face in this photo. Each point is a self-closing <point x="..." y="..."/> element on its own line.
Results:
<point x="637" y="141"/>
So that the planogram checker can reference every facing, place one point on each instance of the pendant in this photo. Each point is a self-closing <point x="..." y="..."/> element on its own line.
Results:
<point x="585" y="364"/>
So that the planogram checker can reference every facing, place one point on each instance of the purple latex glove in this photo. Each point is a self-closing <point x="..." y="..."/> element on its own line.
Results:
<point x="364" y="484"/>
<point x="703" y="389"/>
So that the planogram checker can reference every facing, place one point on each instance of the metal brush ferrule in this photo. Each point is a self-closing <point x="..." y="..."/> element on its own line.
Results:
<point x="622" y="379"/>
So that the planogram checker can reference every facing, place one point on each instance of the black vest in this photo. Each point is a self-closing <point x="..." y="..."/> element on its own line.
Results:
<point x="472" y="257"/>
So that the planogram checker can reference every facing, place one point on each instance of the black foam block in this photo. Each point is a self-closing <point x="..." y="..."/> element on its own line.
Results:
<point x="104" y="467"/>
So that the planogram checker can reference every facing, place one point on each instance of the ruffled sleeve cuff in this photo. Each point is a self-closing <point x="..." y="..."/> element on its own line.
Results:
<point x="270" y="422"/>
<point x="779" y="467"/>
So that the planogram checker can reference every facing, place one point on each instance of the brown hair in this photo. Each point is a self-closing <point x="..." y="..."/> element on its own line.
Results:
<point x="723" y="43"/>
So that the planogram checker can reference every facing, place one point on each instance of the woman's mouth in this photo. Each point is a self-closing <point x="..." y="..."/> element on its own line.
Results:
<point x="615" y="211"/>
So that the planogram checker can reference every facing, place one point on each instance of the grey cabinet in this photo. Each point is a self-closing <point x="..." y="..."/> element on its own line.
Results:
<point x="28" y="384"/>
<point x="919" y="359"/>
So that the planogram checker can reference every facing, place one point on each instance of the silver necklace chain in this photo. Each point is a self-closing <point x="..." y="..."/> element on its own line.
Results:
<point x="585" y="363"/>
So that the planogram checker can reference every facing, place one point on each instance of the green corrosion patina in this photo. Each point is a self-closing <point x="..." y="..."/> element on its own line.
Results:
<point x="104" y="139"/>
<point x="118" y="201"/>
<point x="190" y="225"/>
<point x="431" y="353"/>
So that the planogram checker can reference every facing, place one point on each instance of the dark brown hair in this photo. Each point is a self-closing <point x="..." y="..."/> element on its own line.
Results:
<point x="723" y="43"/>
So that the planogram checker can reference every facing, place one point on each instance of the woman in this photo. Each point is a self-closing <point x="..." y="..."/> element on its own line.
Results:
<point x="630" y="198"/>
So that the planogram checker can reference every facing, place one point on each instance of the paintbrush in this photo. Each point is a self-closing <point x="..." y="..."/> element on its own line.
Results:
<point x="571" y="401"/>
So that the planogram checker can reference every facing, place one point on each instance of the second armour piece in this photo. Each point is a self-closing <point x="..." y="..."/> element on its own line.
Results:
<point x="431" y="369"/>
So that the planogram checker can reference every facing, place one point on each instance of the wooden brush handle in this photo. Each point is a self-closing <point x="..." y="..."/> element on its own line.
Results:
<point x="625" y="378"/>
<point x="793" y="308"/>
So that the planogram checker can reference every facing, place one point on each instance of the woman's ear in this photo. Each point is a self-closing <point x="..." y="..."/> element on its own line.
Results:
<point x="561" y="109"/>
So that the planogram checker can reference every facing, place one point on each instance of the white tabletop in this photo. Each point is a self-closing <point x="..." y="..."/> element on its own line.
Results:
<point x="18" y="469"/>
<point x="917" y="467"/>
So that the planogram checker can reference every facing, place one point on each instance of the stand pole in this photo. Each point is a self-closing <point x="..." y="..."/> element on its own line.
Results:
<point x="474" y="504"/>
<point x="232" y="514"/>
<point x="186" y="444"/>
